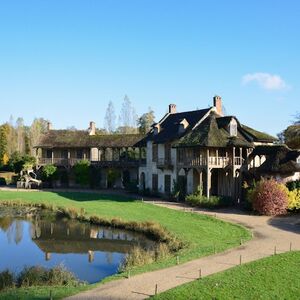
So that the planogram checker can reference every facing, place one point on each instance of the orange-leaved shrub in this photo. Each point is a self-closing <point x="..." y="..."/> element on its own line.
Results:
<point x="270" y="198"/>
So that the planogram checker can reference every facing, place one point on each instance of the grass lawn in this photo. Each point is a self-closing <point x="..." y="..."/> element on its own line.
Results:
<point x="275" y="277"/>
<point x="200" y="233"/>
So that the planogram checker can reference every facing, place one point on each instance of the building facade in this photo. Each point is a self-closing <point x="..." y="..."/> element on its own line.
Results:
<point x="198" y="150"/>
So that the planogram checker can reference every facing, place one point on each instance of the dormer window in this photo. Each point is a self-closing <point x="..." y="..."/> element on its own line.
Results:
<point x="156" y="128"/>
<point x="233" y="127"/>
<point x="183" y="125"/>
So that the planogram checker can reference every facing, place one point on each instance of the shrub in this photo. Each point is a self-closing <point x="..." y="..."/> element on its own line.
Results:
<point x="294" y="200"/>
<point x="49" y="172"/>
<point x="211" y="202"/>
<point x="38" y="276"/>
<point x="32" y="276"/>
<point x="6" y="280"/>
<point x="82" y="172"/>
<point x="2" y="181"/>
<point x="293" y="185"/>
<point x="270" y="198"/>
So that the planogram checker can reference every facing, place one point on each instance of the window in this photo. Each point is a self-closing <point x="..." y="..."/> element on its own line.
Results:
<point x="79" y="154"/>
<point x="154" y="152"/>
<point x="64" y="154"/>
<point x="233" y="127"/>
<point x="167" y="152"/>
<point x="155" y="183"/>
<point x="168" y="184"/>
<point x="49" y="153"/>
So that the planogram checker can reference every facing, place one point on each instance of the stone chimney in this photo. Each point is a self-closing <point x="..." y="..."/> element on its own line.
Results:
<point x="49" y="126"/>
<point x="92" y="128"/>
<point x="218" y="105"/>
<point x="172" y="109"/>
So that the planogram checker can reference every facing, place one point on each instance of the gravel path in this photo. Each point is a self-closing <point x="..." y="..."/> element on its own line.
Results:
<point x="270" y="234"/>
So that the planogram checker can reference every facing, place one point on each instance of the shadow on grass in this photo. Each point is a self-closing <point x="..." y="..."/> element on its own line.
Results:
<point x="85" y="196"/>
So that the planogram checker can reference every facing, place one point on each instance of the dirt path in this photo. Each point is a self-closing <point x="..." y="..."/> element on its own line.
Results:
<point x="282" y="233"/>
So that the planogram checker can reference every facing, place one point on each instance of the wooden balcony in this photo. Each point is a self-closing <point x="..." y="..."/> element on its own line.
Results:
<point x="69" y="162"/>
<point x="213" y="162"/>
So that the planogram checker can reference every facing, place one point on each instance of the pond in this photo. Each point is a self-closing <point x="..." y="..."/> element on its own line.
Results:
<point x="44" y="239"/>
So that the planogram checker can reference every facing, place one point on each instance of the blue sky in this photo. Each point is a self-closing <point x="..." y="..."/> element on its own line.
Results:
<point x="65" y="60"/>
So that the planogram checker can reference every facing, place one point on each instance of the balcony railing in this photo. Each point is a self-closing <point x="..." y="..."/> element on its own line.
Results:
<point x="104" y="163"/>
<point x="213" y="161"/>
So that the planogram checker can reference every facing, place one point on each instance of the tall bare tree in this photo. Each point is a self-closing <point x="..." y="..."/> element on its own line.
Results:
<point x="128" y="117"/>
<point x="110" y="118"/>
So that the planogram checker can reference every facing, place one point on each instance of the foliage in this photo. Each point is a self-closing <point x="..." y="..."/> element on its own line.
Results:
<point x="82" y="172"/>
<point x="293" y="185"/>
<point x="3" y="144"/>
<point x="112" y="176"/>
<point x="6" y="280"/>
<point x="2" y="181"/>
<point x="18" y="162"/>
<point x="294" y="200"/>
<point x="145" y="121"/>
<point x="274" y="277"/>
<point x="270" y="197"/>
<point x="179" y="188"/>
<point x="49" y="172"/>
<point x="199" y="200"/>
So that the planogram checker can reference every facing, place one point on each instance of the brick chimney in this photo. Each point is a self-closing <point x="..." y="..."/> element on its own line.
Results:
<point x="49" y="126"/>
<point x="218" y="105"/>
<point x="92" y="128"/>
<point x="172" y="109"/>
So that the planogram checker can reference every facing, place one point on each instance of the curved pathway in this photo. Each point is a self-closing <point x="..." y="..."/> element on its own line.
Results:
<point x="269" y="235"/>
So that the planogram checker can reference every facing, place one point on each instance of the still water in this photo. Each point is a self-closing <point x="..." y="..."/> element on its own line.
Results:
<point x="90" y="252"/>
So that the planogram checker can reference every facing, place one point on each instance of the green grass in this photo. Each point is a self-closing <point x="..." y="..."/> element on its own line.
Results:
<point x="201" y="234"/>
<point x="275" y="277"/>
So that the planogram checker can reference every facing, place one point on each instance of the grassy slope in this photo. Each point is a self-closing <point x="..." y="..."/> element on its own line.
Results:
<point x="275" y="277"/>
<point x="199" y="232"/>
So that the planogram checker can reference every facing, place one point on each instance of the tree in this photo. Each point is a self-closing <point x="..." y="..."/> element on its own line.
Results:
<point x="146" y="121"/>
<point x="4" y="130"/>
<point x="20" y="135"/>
<point x="110" y="118"/>
<point x="37" y="129"/>
<point x="127" y="118"/>
<point x="291" y="135"/>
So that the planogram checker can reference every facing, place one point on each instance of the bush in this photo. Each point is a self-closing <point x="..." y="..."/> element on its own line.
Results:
<point x="39" y="276"/>
<point x="270" y="198"/>
<point x="211" y="202"/>
<point x="294" y="200"/>
<point x="6" y="280"/>
<point x="82" y="172"/>
<point x="2" y="181"/>
<point x="49" y="172"/>
<point x="293" y="185"/>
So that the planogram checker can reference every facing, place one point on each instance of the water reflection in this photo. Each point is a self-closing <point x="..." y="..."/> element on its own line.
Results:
<point x="91" y="252"/>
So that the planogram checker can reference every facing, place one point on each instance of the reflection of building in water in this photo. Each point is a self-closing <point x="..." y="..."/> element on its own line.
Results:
<point x="75" y="237"/>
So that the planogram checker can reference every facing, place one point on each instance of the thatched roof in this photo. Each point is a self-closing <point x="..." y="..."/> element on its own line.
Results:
<point x="279" y="159"/>
<point x="212" y="132"/>
<point x="81" y="139"/>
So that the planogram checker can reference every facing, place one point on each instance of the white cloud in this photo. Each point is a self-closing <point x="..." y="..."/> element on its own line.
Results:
<point x="266" y="81"/>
